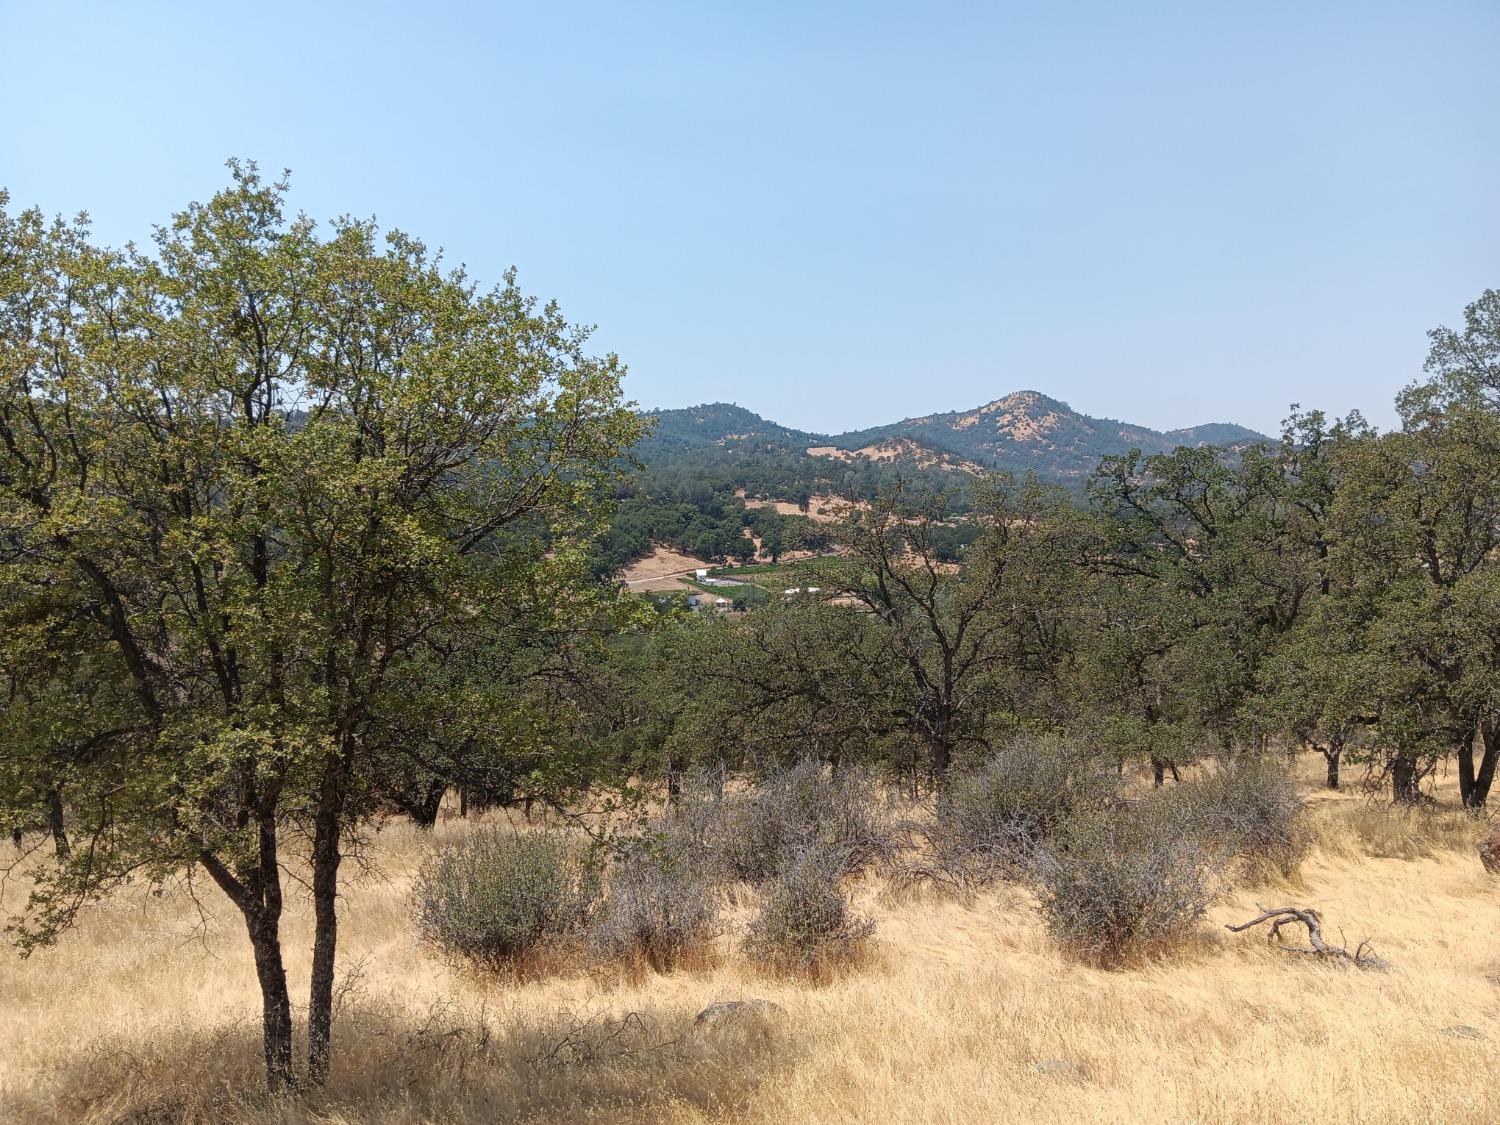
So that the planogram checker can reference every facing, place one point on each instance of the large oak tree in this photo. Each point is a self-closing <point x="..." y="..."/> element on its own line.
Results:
<point x="270" y="494"/>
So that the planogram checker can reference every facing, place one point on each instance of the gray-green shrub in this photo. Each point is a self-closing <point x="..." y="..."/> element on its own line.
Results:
<point x="1251" y="807"/>
<point x="497" y="897"/>
<point x="802" y="809"/>
<point x="805" y="922"/>
<point x="997" y="808"/>
<point x="663" y="904"/>
<point x="1116" y="883"/>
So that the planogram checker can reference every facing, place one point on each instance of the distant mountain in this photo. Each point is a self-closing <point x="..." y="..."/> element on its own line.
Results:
<point x="718" y="423"/>
<point x="1028" y="430"/>
<point x="1216" y="433"/>
<point x="1024" y="431"/>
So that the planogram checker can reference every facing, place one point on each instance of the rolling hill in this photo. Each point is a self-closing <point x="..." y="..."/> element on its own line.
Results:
<point x="1020" y="432"/>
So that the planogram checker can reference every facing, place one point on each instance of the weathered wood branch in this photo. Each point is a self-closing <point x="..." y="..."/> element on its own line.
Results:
<point x="1363" y="956"/>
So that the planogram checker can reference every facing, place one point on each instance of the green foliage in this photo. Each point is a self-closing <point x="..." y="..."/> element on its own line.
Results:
<point x="307" y="510"/>
<point x="260" y="483"/>
<point x="961" y="648"/>
<point x="1415" y="530"/>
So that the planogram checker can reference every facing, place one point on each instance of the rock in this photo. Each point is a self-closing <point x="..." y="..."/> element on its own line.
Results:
<point x="738" y="1027"/>
<point x="1061" y="1068"/>
<point x="1489" y="852"/>
<point x="1464" y="1031"/>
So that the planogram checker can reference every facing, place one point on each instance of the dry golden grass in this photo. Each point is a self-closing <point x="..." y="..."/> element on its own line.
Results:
<point x="146" y="1015"/>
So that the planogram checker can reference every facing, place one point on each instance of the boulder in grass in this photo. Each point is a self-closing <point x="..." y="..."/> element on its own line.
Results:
<point x="1062" y="1068"/>
<point x="1489" y="852"/>
<point x="739" y="1027"/>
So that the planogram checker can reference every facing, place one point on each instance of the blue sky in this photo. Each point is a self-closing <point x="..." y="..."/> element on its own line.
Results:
<point x="843" y="214"/>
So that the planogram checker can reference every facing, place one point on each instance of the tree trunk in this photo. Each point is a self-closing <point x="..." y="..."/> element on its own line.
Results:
<point x="1489" y="737"/>
<point x="257" y="893"/>
<point x="940" y="757"/>
<point x="327" y="836"/>
<point x="424" y="812"/>
<point x="1158" y="773"/>
<point x="1474" y="786"/>
<point x="1333" y="755"/>
<point x="1466" y="767"/>
<point x="275" y="1000"/>
<point x="1404" y="789"/>
<point x="57" y="825"/>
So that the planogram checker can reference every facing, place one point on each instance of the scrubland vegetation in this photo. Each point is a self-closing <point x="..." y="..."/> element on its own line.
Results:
<point x="318" y="684"/>
<point x="961" y="1006"/>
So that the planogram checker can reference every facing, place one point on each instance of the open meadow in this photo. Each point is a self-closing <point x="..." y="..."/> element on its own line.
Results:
<point x="964" y="1010"/>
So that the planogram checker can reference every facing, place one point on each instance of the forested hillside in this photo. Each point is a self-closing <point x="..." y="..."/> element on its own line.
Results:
<point x="699" y="464"/>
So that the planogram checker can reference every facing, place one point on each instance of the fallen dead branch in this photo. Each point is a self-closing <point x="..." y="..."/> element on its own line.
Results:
<point x="1363" y="956"/>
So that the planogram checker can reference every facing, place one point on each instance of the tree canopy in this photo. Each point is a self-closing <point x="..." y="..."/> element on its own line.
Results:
<point x="259" y="488"/>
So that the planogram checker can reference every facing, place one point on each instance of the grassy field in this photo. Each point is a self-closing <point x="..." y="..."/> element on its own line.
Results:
<point x="965" y="1013"/>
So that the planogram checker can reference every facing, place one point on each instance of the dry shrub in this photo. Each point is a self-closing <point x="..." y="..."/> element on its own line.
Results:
<point x="1251" y="808"/>
<point x="1388" y="831"/>
<point x="1119" y="884"/>
<point x="498" y="899"/>
<point x="663" y="906"/>
<point x="800" y="810"/>
<point x="995" y="811"/>
<point x="805" y="924"/>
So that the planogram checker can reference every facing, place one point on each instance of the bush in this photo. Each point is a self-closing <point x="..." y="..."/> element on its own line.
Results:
<point x="496" y="898"/>
<point x="663" y="903"/>
<point x="1115" y="884"/>
<point x="805" y="923"/>
<point x="998" y="809"/>
<point x="799" y="810"/>
<point x="1251" y="808"/>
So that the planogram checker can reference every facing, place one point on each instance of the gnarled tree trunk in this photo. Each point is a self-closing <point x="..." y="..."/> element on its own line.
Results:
<point x="57" y="825"/>
<point x="1404" y="780"/>
<point x="1474" y="784"/>
<point x="327" y="841"/>
<point x="256" y="891"/>
<point x="276" y="1000"/>
<point x="1333" y="755"/>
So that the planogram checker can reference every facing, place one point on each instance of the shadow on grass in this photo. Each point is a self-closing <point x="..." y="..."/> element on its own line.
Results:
<point x="447" y="1064"/>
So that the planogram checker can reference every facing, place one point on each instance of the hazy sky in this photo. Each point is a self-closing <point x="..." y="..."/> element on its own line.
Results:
<point x="839" y="214"/>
